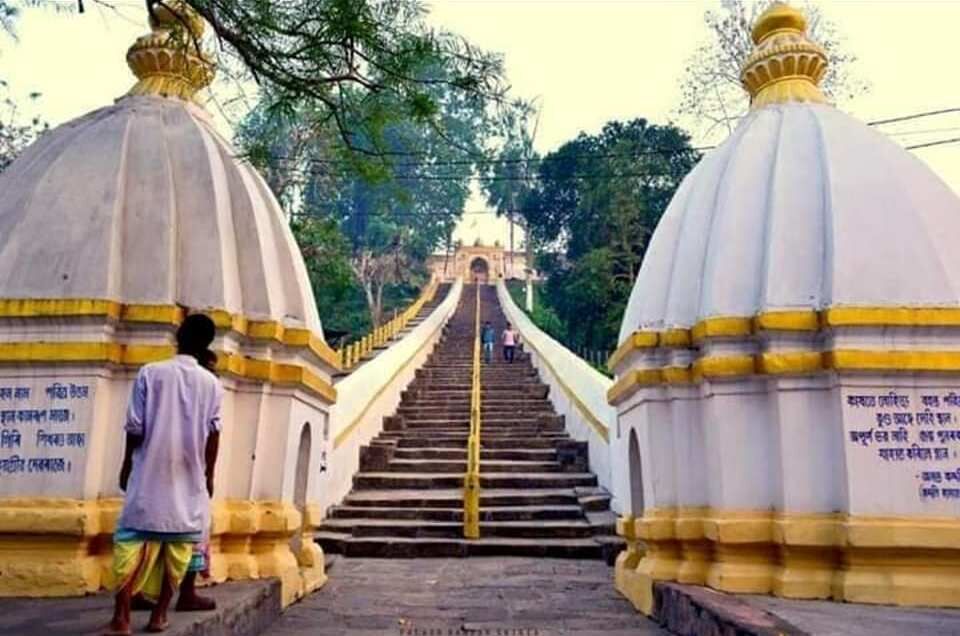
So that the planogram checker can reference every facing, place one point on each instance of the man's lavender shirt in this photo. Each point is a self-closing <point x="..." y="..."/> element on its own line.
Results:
<point x="174" y="406"/>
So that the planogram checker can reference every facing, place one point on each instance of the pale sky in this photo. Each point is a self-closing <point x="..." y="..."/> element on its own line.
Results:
<point x="587" y="61"/>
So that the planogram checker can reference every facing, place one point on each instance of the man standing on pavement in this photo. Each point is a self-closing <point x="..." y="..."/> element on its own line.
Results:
<point x="488" y="338"/>
<point x="173" y="430"/>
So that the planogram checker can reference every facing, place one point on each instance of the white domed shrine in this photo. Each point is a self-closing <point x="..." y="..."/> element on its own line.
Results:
<point x="788" y="380"/>
<point x="112" y="227"/>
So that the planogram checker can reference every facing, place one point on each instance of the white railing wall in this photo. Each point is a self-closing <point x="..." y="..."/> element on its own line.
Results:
<point x="577" y="391"/>
<point x="369" y="394"/>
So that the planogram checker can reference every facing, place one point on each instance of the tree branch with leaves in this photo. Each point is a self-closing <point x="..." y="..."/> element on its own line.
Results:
<point x="712" y="97"/>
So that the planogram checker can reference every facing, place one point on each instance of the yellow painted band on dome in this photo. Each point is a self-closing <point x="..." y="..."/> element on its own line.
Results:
<point x="169" y="315"/>
<point x="895" y="361"/>
<point x="160" y="314"/>
<point x="676" y="338"/>
<point x="790" y="363"/>
<point x="677" y="375"/>
<point x="280" y="373"/>
<point x="724" y="366"/>
<point x="97" y="352"/>
<point x="631" y="382"/>
<point x="891" y="317"/>
<point x="138" y="355"/>
<point x="265" y="330"/>
<point x="722" y="327"/>
<point x="789" y="320"/>
<point x="800" y="320"/>
<point x="636" y="340"/>
<point x="55" y="307"/>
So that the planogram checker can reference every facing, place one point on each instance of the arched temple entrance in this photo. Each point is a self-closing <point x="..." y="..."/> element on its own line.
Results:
<point x="300" y="475"/>
<point x="636" y="476"/>
<point x="480" y="270"/>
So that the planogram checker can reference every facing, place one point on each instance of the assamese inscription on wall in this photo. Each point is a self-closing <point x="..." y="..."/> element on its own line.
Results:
<point x="913" y="436"/>
<point x="43" y="427"/>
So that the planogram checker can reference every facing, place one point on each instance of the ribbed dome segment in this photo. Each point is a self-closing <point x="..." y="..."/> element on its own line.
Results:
<point x="803" y="207"/>
<point x="143" y="202"/>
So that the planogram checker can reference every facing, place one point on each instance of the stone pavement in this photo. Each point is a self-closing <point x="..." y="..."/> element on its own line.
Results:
<point x="492" y="596"/>
<point x="244" y="609"/>
<point x="848" y="619"/>
<point x="689" y="610"/>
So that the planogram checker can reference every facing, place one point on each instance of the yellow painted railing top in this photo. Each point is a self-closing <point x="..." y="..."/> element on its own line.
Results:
<point x="471" y="481"/>
<point x="350" y="355"/>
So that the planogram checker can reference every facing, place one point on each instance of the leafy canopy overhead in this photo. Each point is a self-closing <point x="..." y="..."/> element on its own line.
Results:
<point x="592" y="211"/>
<point x="360" y="65"/>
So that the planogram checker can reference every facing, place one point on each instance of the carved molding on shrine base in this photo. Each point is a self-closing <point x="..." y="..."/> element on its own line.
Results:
<point x="62" y="547"/>
<point x="889" y="560"/>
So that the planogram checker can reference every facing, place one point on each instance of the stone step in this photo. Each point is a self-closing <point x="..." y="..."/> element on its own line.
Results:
<point x="514" y="438"/>
<point x="427" y="452"/>
<point x="453" y="498"/>
<point x="491" y="414"/>
<point x="460" y="441"/>
<point x="384" y="480"/>
<point x="488" y="430"/>
<point x="453" y="466"/>
<point x="401" y="547"/>
<point x="416" y="528"/>
<point x="486" y="426"/>
<point x="502" y="513"/>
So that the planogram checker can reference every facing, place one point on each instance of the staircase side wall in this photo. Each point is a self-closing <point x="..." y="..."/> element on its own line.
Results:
<point x="577" y="391"/>
<point x="366" y="396"/>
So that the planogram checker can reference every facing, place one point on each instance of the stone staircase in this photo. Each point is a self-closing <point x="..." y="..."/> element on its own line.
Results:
<point x="537" y="495"/>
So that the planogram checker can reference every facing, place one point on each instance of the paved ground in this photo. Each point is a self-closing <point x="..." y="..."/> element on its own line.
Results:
<point x="244" y="609"/>
<point x="823" y="618"/>
<point x="479" y="596"/>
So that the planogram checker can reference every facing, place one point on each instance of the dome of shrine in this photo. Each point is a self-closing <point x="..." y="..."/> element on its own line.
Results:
<point x="143" y="202"/>
<point x="802" y="208"/>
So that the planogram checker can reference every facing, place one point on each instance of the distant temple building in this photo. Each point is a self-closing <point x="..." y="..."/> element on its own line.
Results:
<point x="479" y="262"/>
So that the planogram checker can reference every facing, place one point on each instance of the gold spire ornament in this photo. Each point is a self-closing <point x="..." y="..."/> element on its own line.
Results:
<point x="169" y="61"/>
<point x="785" y="65"/>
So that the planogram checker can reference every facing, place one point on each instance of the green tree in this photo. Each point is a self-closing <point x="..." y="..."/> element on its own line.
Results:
<point x="711" y="93"/>
<point x="17" y="131"/>
<point x="594" y="207"/>
<point x="394" y="208"/>
<point x="353" y="67"/>
<point x="327" y="255"/>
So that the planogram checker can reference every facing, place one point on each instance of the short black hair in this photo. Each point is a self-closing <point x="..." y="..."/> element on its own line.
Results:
<point x="195" y="334"/>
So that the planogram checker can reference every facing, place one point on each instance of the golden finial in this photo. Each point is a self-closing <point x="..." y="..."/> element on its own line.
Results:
<point x="785" y="66"/>
<point x="169" y="61"/>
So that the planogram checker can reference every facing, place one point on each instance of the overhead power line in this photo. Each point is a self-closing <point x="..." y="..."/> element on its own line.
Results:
<point x="522" y="162"/>
<point x="939" y="142"/>
<point x="929" y="113"/>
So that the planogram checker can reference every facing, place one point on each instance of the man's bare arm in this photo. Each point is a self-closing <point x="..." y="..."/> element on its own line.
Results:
<point x="133" y="443"/>
<point x="210" y="455"/>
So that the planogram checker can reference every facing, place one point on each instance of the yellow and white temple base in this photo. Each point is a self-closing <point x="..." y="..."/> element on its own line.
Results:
<point x="62" y="547"/>
<point x="891" y="561"/>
